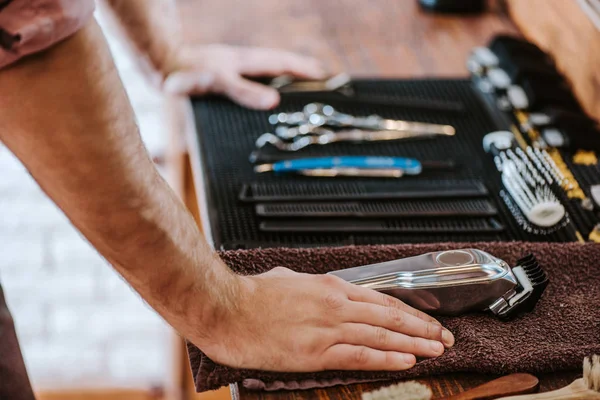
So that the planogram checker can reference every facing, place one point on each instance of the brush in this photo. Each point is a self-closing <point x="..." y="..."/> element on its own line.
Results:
<point x="505" y="386"/>
<point x="402" y="391"/>
<point x="587" y="387"/>
<point x="528" y="178"/>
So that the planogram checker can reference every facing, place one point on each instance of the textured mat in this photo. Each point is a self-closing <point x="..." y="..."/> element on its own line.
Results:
<point x="227" y="134"/>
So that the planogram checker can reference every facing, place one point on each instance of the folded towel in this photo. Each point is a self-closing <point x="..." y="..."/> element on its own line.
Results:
<point x="562" y="329"/>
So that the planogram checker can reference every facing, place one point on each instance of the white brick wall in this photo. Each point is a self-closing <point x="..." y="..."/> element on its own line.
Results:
<point x="78" y="322"/>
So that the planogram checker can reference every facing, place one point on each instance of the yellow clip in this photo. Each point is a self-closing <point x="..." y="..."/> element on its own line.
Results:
<point x="585" y="157"/>
<point x="595" y="235"/>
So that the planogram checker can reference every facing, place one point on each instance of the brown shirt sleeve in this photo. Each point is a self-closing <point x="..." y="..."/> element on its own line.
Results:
<point x="29" y="26"/>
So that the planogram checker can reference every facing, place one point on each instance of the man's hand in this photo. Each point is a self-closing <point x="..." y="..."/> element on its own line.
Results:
<point x="286" y="321"/>
<point x="222" y="69"/>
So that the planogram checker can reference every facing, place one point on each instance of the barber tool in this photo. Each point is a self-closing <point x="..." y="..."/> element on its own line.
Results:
<point x="403" y="226"/>
<point x="481" y="60"/>
<point x="327" y="137"/>
<point x="508" y="385"/>
<point x="454" y="6"/>
<point x="587" y="387"/>
<point x="261" y="156"/>
<point x="410" y="390"/>
<point x="509" y="46"/>
<point x="384" y="166"/>
<point x="527" y="178"/>
<point x="358" y="99"/>
<point x="380" y="209"/>
<point x="261" y="192"/>
<point x="337" y="83"/>
<point x="339" y="88"/>
<point x="317" y="114"/>
<point x="455" y="282"/>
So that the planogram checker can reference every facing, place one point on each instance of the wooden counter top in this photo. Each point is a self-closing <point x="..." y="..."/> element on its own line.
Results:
<point x="388" y="38"/>
<point x="384" y="38"/>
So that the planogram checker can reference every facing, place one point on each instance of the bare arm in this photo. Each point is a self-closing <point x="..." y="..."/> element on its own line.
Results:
<point x="65" y="114"/>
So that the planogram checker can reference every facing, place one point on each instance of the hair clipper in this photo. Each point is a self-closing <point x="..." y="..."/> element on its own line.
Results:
<point x="455" y="282"/>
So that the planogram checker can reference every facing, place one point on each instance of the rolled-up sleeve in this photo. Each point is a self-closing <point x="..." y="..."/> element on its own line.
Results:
<point x="29" y="26"/>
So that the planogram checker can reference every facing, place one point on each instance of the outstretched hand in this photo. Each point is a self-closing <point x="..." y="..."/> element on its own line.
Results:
<point x="223" y="70"/>
<point x="287" y="321"/>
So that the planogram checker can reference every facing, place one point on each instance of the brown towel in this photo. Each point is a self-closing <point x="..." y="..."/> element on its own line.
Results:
<point x="563" y="328"/>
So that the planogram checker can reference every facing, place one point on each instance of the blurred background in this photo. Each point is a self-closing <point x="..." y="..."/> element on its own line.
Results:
<point x="79" y="324"/>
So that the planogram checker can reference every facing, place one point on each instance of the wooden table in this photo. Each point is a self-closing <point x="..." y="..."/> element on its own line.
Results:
<point x="385" y="38"/>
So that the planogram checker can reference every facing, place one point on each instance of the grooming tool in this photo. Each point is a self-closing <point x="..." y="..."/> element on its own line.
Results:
<point x="404" y="209"/>
<point x="408" y="166"/>
<point x="357" y="99"/>
<point x="560" y="118"/>
<point x="572" y="137"/>
<point x="587" y="387"/>
<point x="535" y="199"/>
<point x="595" y="193"/>
<point x="401" y="391"/>
<point x="508" y="385"/>
<point x="553" y="158"/>
<point x="540" y="94"/>
<point x="508" y="47"/>
<point x="585" y="157"/>
<point x="289" y="84"/>
<point x="525" y="224"/>
<point x="473" y="225"/>
<point x="455" y="282"/>
<point x="327" y="137"/>
<point x="318" y="114"/>
<point x="481" y="60"/>
<point x="527" y="180"/>
<point x="354" y="191"/>
<point x="352" y="172"/>
<point x="517" y="97"/>
<point x="594" y="235"/>
<point x="571" y="186"/>
<point x="268" y="157"/>
<point x="454" y="6"/>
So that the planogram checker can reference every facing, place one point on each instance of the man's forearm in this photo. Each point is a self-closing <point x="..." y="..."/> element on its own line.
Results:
<point x="65" y="114"/>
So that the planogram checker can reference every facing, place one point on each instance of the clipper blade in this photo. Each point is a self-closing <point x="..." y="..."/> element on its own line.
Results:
<point x="532" y="283"/>
<point x="534" y="272"/>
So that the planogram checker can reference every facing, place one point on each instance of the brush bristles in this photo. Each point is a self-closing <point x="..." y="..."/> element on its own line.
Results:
<point x="591" y="373"/>
<point x="402" y="391"/>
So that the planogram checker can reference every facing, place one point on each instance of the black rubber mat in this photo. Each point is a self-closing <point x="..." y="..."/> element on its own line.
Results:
<point x="227" y="134"/>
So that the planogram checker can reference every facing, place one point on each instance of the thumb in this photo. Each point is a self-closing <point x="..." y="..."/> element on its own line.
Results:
<point x="247" y="93"/>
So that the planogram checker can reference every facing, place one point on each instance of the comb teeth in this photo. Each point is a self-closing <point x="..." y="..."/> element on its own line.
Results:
<point x="532" y="268"/>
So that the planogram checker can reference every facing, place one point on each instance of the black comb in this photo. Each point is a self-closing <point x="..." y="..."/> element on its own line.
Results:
<point x="474" y="225"/>
<point x="353" y="191"/>
<point x="380" y="209"/>
<point x="539" y="281"/>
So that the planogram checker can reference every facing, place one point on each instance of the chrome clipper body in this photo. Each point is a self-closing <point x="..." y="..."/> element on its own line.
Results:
<point x="455" y="282"/>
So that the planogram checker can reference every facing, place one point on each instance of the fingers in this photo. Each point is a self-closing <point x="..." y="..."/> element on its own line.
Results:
<point x="366" y="296"/>
<point x="358" y="293"/>
<point x="242" y="91"/>
<point x="397" y="320"/>
<point x="189" y="83"/>
<point x="272" y="62"/>
<point x="247" y="93"/>
<point x="384" y="339"/>
<point x="361" y="358"/>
